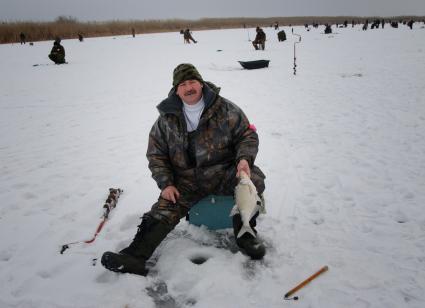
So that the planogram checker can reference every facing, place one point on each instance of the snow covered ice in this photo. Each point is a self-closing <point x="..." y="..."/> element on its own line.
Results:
<point x="342" y="144"/>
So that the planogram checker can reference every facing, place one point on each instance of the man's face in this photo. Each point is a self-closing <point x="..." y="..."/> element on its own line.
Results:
<point x="190" y="91"/>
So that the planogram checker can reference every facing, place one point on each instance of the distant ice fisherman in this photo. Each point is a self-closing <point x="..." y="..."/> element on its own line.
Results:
<point x="57" y="54"/>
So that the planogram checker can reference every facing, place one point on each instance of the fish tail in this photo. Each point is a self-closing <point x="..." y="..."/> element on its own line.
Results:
<point x="246" y="229"/>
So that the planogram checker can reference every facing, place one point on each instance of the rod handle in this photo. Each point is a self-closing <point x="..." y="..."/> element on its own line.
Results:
<point x="305" y="282"/>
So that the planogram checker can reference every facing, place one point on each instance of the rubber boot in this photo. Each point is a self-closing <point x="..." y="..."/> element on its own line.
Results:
<point x="133" y="259"/>
<point x="247" y="243"/>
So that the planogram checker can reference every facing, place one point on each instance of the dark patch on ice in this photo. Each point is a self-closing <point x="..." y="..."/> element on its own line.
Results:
<point x="150" y="264"/>
<point x="5" y="256"/>
<point x="190" y="302"/>
<point x="226" y="241"/>
<point x="409" y="196"/>
<point x="252" y="267"/>
<point x="408" y="298"/>
<point x="318" y="221"/>
<point x="352" y="75"/>
<point x="107" y="277"/>
<point x="221" y="239"/>
<point x="159" y="293"/>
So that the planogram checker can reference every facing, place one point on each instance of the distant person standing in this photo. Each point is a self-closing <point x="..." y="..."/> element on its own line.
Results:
<point x="188" y="36"/>
<point x="185" y="41"/>
<point x="133" y="32"/>
<point x="57" y="54"/>
<point x="22" y="38"/>
<point x="260" y="39"/>
<point x="80" y="37"/>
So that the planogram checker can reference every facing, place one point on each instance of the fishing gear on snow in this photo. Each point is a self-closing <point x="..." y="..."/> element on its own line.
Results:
<point x="110" y="204"/>
<point x="304" y="283"/>
<point x="295" y="57"/>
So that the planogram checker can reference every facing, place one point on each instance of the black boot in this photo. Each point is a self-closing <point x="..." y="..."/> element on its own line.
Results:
<point x="133" y="259"/>
<point x="247" y="243"/>
<point x="123" y="263"/>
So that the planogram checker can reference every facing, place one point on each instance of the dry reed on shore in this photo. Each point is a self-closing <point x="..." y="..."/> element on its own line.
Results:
<point x="68" y="27"/>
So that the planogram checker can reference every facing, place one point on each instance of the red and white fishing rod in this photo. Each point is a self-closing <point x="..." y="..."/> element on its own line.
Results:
<point x="110" y="204"/>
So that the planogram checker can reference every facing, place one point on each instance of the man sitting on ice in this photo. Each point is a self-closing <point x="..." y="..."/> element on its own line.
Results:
<point x="199" y="145"/>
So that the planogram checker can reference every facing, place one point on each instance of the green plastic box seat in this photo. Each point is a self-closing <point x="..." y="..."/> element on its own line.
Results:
<point x="212" y="212"/>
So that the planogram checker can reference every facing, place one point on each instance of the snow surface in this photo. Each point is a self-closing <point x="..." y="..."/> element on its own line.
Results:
<point x="342" y="144"/>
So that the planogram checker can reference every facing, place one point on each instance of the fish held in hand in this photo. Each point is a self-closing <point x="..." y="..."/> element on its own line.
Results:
<point x="247" y="203"/>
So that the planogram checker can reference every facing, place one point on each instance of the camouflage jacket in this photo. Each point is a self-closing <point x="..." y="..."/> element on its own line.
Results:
<point x="58" y="49"/>
<point x="260" y="36"/>
<point x="223" y="137"/>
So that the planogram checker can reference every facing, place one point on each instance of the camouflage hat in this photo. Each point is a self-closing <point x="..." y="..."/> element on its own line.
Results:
<point x="185" y="71"/>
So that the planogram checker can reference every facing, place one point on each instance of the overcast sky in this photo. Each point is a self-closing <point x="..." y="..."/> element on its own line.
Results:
<point x="98" y="10"/>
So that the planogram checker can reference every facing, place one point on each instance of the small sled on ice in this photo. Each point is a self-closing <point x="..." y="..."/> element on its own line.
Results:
<point x="251" y="65"/>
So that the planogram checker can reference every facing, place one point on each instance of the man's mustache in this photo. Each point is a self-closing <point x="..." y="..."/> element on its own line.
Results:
<point x="190" y="92"/>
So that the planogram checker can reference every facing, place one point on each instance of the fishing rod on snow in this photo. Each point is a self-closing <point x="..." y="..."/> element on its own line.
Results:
<point x="110" y="204"/>
<point x="295" y="57"/>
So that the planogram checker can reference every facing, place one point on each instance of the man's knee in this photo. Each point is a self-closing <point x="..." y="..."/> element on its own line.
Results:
<point x="168" y="212"/>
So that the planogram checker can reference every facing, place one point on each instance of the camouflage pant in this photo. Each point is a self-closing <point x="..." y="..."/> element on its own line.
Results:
<point x="191" y="192"/>
<point x="259" y="44"/>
